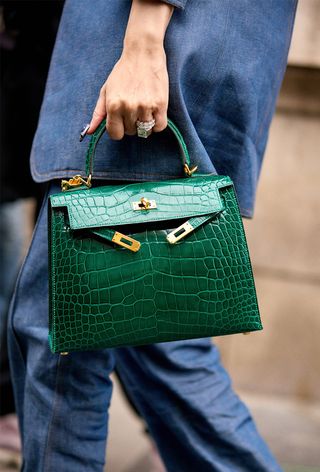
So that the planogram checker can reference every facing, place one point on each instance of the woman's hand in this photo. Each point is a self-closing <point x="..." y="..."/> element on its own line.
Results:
<point x="138" y="86"/>
<point x="136" y="89"/>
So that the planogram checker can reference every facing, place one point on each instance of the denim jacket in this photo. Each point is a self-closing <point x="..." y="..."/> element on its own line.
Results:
<point x="226" y="60"/>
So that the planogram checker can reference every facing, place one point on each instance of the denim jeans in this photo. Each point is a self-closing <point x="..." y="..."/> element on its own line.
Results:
<point x="180" y="388"/>
<point x="11" y="253"/>
<point x="11" y="250"/>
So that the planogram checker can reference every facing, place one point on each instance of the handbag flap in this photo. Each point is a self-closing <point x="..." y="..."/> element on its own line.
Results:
<point x="113" y="205"/>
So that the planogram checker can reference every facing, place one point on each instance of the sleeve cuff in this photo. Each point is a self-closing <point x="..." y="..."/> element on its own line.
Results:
<point x="177" y="3"/>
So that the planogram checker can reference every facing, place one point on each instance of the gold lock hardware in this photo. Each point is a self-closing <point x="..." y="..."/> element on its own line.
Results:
<point x="180" y="232"/>
<point x="144" y="204"/>
<point x="189" y="171"/>
<point x="126" y="241"/>
<point x="74" y="182"/>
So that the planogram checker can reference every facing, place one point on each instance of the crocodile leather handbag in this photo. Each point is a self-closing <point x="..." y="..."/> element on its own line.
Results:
<point x="148" y="262"/>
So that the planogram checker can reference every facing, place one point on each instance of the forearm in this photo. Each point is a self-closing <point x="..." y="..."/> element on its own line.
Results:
<point x="147" y="25"/>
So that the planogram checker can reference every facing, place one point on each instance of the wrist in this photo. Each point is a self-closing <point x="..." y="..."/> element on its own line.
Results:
<point x="145" y="43"/>
<point x="147" y="25"/>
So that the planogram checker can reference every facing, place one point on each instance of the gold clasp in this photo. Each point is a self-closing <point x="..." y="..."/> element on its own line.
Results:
<point x="144" y="204"/>
<point x="74" y="182"/>
<point x="120" y="239"/>
<point x="180" y="232"/>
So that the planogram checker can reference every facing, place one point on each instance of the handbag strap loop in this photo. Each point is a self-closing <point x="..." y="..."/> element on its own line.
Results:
<point x="188" y="170"/>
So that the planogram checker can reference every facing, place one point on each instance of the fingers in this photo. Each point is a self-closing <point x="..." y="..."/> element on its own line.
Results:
<point x="115" y="125"/>
<point x="161" y="120"/>
<point x="145" y="113"/>
<point x="122" y="117"/>
<point x="156" y="112"/>
<point x="99" y="113"/>
<point x="130" y="119"/>
<point x="112" y="111"/>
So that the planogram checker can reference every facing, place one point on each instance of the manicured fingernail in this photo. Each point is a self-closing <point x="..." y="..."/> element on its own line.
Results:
<point x="84" y="131"/>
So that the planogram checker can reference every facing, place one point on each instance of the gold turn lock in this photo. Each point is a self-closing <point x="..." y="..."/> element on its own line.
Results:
<point x="180" y="232"/>
<point x="144" y="204"/>
<point x="126" y="241"/>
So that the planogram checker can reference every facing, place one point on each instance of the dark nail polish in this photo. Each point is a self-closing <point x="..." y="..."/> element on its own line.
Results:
<point x="84" y="132"/>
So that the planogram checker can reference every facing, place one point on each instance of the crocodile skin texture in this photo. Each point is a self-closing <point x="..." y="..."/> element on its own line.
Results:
<point x="102" y="295"/>
<point x="109" y="206"/>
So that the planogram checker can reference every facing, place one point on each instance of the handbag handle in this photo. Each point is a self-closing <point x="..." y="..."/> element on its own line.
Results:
<point x="102" y="128"/>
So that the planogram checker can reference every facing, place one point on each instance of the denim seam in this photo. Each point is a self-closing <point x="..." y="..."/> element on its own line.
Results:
<point x="46" y="457"/>
<point x="15" y="335"/>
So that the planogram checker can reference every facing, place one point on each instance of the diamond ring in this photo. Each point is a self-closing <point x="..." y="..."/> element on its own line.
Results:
<point x="144" y="128"/>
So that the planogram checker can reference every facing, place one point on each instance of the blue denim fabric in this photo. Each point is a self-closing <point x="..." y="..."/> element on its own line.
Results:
<point x="177" y="3"/>
<point x="226" y="60"/>
<point x="11" y="251"/>
<point x="12" y="240"/>
<point x="181" y="389"/>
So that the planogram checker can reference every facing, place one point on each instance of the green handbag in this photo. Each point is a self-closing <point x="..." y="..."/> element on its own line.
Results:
<point x="148" y="262"/>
